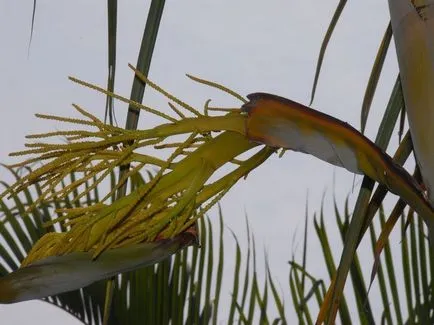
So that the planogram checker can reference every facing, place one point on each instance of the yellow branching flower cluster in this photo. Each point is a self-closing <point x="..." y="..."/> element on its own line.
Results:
<point x="164" y="206"/>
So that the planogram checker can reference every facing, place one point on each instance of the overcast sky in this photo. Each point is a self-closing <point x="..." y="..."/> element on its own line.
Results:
<point x="270" y="46"/>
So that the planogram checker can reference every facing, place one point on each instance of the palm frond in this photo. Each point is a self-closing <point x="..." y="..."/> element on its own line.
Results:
<point x="412" y="308"/>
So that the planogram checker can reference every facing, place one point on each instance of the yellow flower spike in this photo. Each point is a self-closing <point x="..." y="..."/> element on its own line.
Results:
<point x="97" y="122"/>
<point x="65" y="164"/>
<point x="198" y="179"/>
<point x="218" y="86"/>
<point x="123" y="99"/>
<point x="134" y="157"/>
<point x="145" y="80"/>
<point x="124" y="205"/>
<point x="36" y="174"/>
<point x="34" y="179"/>
<point x="210" y="163"/>
<point x="213" y="189"/>
<point x="177" y="111"/>
<point x="155" y="180"/>
<point x="84" y="136"/>
<point x="30" y="161"/>
<point x="134" y="170"/>
<point x="124" y="222"/>
<point x="177" y="224"/>
<point x="183" y="170"/>
<point x="88" y="174"/>
<point x="72" y="213"/>
<point x="42" y="247"/>
<point x="180" y="192"/>
<point x="64" y="119"/>
<point x="66" y="134"/>
<point x="98" y="223"/>
<point x="109" y="167"/>
<point x="55" y="181"/>
<point x="74" y="244"/>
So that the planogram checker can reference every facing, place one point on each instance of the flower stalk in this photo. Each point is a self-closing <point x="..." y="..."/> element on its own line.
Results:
<point x="173" y="198"/>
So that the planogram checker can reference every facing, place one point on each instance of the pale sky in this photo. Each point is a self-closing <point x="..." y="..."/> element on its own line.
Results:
<point x="270" y="46"/>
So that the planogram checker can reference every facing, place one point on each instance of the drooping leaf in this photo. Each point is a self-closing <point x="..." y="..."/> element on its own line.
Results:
<point x="57" y="274"/>
<point x="280" y="122"/>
